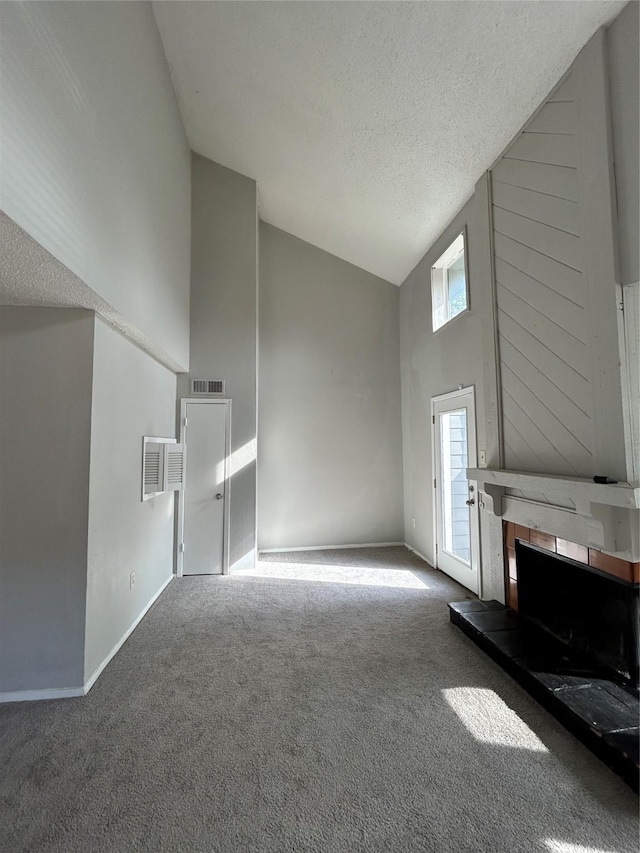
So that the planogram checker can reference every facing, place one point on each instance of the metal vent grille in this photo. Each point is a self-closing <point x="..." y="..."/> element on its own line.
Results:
<point x="175" y="467"/>
<point x="162" y="466"/>
<point x="207" y="386"/>
<point x="152" y="468"/>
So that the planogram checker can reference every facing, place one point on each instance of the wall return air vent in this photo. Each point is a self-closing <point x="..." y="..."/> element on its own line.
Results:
<point x="162" y="466"/>
<point x="207" y="386"/>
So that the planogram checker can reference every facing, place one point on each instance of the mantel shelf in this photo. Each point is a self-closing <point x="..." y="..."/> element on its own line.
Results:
<point x="579" y="489"/>
<point x="605" y="516"/>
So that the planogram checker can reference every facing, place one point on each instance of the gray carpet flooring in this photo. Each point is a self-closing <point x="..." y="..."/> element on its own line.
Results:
<point x="322" y="703"/>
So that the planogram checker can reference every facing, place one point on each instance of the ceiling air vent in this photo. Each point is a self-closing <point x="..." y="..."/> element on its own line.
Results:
<point x="207" y="386"/>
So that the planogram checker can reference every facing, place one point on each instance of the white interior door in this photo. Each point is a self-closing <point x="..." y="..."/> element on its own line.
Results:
<point x="205" y="432"/>
<point x="456" y="500"/>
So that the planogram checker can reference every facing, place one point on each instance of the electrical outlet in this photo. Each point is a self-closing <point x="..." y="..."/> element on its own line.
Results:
<point x="413" y="522"/>
<point x="132" y="580"/>
<point x="482" y="459"/>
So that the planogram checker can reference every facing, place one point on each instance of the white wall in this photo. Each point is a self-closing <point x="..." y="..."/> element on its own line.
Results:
<point x="330" y="440"/>
<point x="464" y="353"/>
<point x="460" y="354"/>
<point x="133" y="396"/>
<point x="224" y="325"/>
<point x="555" y="264"/>
<point x="45" y="412"/>
<point x="95" y="161"/>
<point x="623" y="40"/>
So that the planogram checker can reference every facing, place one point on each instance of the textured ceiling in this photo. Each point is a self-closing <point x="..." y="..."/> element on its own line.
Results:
<point x="30" y="275"/>
<point x="367" y="124"/>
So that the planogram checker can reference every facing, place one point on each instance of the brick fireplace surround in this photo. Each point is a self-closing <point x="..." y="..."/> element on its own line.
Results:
<point x="622" y="569"/>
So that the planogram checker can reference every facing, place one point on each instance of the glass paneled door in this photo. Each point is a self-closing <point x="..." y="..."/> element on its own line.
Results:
<point x="456" y="503"/>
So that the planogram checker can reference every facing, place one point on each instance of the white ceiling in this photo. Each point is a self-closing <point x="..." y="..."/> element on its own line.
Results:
<point x="367" y="124"/>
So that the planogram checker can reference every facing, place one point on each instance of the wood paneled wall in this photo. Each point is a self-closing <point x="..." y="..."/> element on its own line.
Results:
<point x="555" y="275"/>
<point x="545" y="363"/>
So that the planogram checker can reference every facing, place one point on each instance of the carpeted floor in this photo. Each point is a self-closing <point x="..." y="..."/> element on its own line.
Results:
<point x="337" y="713"/>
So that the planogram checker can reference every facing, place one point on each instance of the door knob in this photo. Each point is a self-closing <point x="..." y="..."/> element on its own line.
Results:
<point x="470" y="502"/>
<point x="219" y="496"/>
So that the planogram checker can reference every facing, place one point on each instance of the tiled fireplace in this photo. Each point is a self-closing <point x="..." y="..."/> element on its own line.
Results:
<point x="586" y="599"/>
<point x="614" y="566"/>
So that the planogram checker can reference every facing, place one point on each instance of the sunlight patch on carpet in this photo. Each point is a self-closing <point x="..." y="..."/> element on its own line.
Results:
<point x="490" y="720"/>
<point x="318" y="573"/>
<point x="556" y="846"/>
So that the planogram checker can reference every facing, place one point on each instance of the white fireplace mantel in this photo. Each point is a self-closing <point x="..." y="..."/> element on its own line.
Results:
<point x="605" y="516"/>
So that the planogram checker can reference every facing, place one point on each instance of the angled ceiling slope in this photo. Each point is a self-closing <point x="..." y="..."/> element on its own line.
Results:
<point x="367" y="124"/>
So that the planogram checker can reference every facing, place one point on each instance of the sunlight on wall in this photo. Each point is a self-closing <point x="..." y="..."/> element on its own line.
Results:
<point x="556" y="846"/>
<point x="318" y="573"/>
<point x="490" y="719"/>
<point x="238" y="460"/>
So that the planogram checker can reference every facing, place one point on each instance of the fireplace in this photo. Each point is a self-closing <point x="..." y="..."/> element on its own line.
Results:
<point x="568" y="635"/>
<point x="592" y="612"/>
<point x="568" y="632"/>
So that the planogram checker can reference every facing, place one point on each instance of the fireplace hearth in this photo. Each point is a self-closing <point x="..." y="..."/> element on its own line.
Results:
<point x="570" y="638"/>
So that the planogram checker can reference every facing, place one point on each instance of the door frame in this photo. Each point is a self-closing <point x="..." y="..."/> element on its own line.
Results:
<point x="203" y="401"/>
<point x="472" y="449"/>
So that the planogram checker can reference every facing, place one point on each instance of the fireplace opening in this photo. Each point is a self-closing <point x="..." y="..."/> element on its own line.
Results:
<point x="593" y="613"/>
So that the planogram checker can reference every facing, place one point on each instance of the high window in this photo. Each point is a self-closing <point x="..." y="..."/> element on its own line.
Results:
<point x="449" y="291"/>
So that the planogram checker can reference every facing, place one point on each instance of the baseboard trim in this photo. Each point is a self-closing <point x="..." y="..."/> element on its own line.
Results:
<point x="39" y="695"/>
<point x="418" y="554"/>
<point x="327" y="547"/>
<point x="72" y="692"/>
<point x="114" y="651"/>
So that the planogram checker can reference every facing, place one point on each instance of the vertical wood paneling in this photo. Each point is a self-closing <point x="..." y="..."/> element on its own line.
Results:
<point x="542" y="387"/>
<point x="562" y="311"/>
<point x="554" y="117"/>
<point x="556" y="149"/>
<point x="519" y="421"/>
<point x="548" y="209"/>
<point x="540" y="291"/>
<point x="545" y="239"/>
<point x="630" y="334"/>
<point x="564" y="346"/>
<point x="559" y="277"/>
<point x="569" y="381"/>
<point x="549" y="425"/>
<point x="596" y="205"/>
<point x="563" y="91"/>
<point x="559" y="181"/>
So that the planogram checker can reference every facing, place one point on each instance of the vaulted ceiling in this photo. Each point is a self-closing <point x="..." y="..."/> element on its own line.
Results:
<point x="367" y="124"/>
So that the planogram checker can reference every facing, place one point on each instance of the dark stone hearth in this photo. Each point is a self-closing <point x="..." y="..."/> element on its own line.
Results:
<point x="603" y="714"/>
<point x="627" y="743"/>
<point x="602" y="706"/>
<point x="473" y="604"/>
<point x="493" y="620"/>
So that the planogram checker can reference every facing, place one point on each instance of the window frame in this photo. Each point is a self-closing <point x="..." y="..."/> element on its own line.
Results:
<point x="461" y="233"/>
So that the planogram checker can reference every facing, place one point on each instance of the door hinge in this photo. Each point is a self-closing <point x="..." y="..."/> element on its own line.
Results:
<point x="434" y="482"/>
<point x="184" y="422"/>
<point x="182" y="547"/>
<point x="433" y="419"/>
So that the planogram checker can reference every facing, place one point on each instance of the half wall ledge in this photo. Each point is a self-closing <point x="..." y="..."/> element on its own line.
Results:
<point x="605" y="516"/>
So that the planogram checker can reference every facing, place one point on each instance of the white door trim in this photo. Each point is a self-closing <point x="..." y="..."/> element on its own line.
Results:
<point x="201" y="401"/>
<point x="472" y="445"/>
